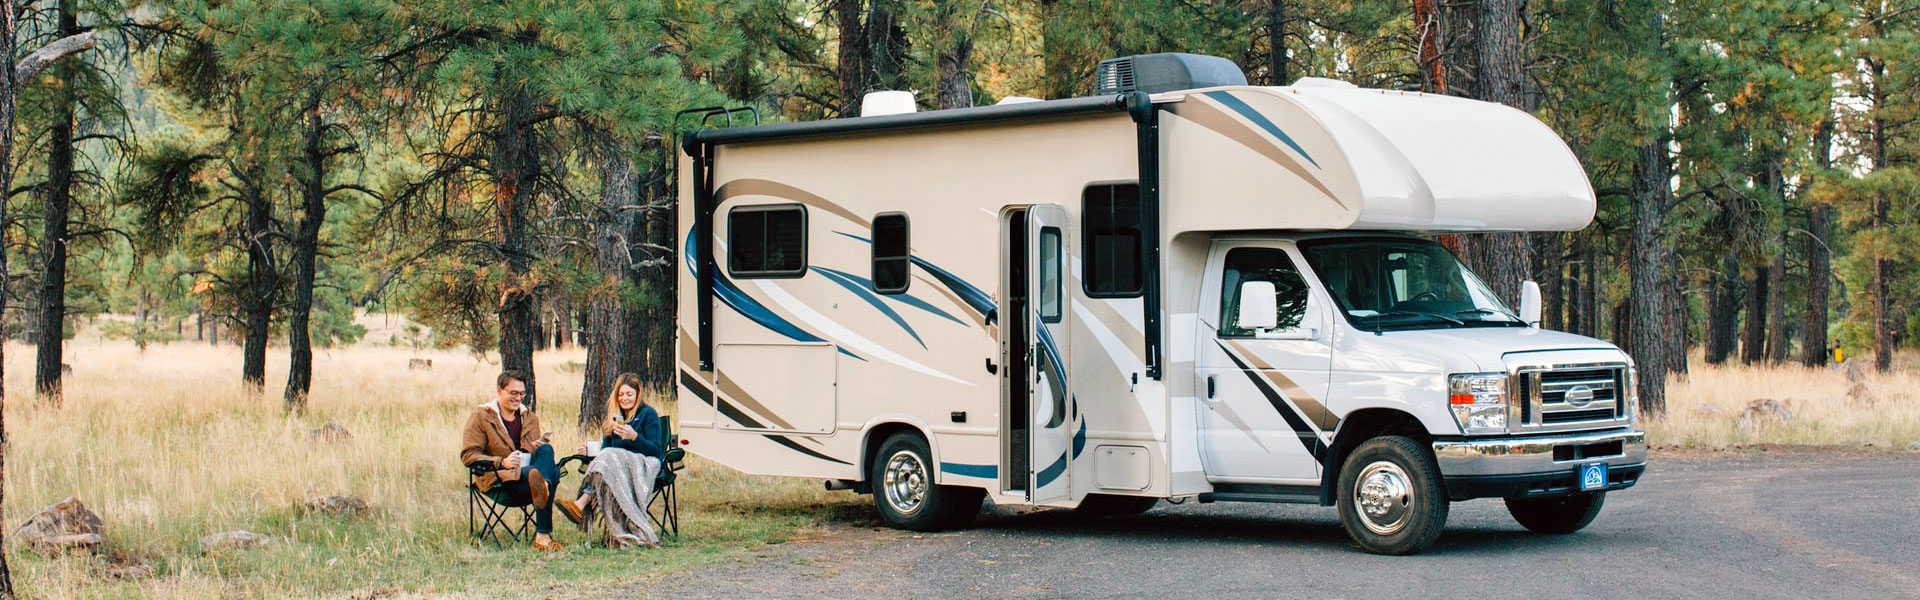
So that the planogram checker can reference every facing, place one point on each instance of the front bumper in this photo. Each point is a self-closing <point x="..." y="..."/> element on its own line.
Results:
<point x="1527" y="467"/>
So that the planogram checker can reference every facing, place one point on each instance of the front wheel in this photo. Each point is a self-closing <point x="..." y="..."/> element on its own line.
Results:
<point x="1391" y="496"/>
<point x="1565" y="514"/>
<point x="904" y="491"/>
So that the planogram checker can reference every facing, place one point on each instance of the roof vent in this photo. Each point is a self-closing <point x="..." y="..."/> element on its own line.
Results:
<point x="889" y="102"/>
<point x="1165" y="72"/>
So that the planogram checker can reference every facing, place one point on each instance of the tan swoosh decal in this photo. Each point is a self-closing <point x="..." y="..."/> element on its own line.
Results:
<point x="763" y="187"/>
<point x="689" y="351"/>
<point x="977" y="319"/>
<point x="1315" y="411"/>
<point x="1226" y="412"/>
<point x="1117" y="324"/>
<point x="737" y="395"/>
<point x="1205" y="113"/>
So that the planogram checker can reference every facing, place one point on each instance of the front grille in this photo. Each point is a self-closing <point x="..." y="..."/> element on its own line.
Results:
<point x="1569" y="396"/>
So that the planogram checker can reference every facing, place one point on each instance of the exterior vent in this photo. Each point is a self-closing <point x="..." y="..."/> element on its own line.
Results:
<point x="1166" y="72"/>
<point x="890" y="102"/>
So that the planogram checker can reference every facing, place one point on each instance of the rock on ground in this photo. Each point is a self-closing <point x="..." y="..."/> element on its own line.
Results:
<point x="339" y="506"/>
<point x="65" y="526"/>
<point x="239" y="539"/>
<point x="1763" y="411"/>
<point x="333" y="431"/>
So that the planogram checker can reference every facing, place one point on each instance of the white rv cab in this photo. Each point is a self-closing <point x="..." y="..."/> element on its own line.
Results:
<point x="1183" y="288"/>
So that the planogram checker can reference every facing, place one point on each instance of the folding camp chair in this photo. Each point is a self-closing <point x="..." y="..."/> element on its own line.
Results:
<point x="663" y="506"/>
<point x="487" y="511"/>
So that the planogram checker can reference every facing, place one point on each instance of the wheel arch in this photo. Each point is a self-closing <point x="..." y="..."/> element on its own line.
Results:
<point x="876" y="433"/>
<point x="1356" y="429"/>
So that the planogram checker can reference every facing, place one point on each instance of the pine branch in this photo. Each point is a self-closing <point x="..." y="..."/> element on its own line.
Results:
<point x="24" y="70"/>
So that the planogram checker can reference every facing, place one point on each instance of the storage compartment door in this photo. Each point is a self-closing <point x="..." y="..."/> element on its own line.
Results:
<point x="777" y="387"/>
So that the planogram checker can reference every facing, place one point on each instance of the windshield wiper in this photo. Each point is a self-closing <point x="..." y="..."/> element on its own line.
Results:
<point x="1485" y="311"/>
<point x="1417" y="313"/>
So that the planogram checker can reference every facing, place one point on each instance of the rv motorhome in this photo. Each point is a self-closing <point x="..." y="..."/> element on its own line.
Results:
<point x="1185" y="288"/>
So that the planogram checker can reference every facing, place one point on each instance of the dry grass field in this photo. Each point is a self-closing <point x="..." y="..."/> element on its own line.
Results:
<point x="166" y="449"/>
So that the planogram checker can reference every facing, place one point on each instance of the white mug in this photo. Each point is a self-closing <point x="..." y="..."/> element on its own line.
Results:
<point x="593" y="448"/>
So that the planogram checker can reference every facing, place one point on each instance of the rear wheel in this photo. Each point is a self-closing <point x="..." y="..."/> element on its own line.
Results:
<point x="1106" y="504"/>
<point x="904" y="492"/>
<point x="1564" y="514"/>
<point x="1391" y="496"/>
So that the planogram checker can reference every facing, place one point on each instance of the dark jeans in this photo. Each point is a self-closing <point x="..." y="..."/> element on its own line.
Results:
<point x="516" y="492"/>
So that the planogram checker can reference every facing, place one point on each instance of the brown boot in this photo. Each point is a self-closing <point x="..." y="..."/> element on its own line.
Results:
<point x="550" y="545"/>
<point x="568" y="508"/>
<point x="537" y="484"/>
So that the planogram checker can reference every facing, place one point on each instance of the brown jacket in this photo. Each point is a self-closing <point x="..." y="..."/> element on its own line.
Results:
<point x="485" y="438"/>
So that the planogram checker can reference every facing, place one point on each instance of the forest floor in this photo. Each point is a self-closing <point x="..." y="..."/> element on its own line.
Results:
<point x="163" y="445"/>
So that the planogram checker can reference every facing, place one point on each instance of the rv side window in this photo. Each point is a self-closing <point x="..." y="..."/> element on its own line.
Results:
<point x="1049" y="304"/>
<point x="1110" y="226"/>
<point x="891" y="253"/>
<point x="1261" y="264"/>
<point x="767" y="241"/>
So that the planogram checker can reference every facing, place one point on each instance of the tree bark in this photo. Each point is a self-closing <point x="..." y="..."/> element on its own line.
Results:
<point x="886" y="44"/>
<point x="50" y="329"/>
<point x="1277" y="59"/>
<point x="1777" y="308"/>
<point x="1549" y="262"/>
<point x="1813" y="332"/>
<point x="513" y="164"/>
<point x="1501" y="259"/>
<point x="1753" y="340"/>
<point x="607" y="314"/>
<point x="1723" y="317"/>
<point x="1883" y="318"/>
<point x="262" y="282"/>
<point x="853" y="72"/>
<point x="1647" y="255"/>
<point x="1426" y="25"/>
<point x="955" y="87"/>
<point x="306" y="251"/>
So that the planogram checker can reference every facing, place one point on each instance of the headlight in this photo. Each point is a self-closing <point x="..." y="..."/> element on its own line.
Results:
<point x="1479" y="402"/>
<point x="1633" y="394"/>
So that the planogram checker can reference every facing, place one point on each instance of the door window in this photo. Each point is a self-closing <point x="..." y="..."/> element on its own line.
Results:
<point x="1049" y="292"/>
<point x="1262" y="264"/>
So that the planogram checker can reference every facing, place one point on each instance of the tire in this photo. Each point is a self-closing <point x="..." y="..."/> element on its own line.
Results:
<point x="1100" y="505"/>
<point x="910" y="500"/>
<point x="1396" y="477"/>
<point x="1559" y="515"/>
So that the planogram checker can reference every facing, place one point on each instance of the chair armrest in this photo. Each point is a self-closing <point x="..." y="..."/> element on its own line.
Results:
<point x="583" y="459"/>
<point x="675" y="455"/>
<point x="479" y="467"/>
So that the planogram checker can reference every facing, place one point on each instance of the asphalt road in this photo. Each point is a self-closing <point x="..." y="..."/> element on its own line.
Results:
<point x="1794" y="525"/>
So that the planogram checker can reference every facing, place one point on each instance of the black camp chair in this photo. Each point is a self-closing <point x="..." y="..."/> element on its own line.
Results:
<point x="663" y="506"/>
<point x="487" y="511"/>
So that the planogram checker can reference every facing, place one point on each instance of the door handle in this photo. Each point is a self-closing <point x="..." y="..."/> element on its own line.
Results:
<point x="1209" y="387"/>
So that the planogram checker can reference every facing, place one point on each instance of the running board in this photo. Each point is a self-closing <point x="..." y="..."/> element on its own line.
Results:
<point x="1260" y="492"/>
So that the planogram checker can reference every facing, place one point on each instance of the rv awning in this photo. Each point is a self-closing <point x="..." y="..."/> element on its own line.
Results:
<point x="1327" y="155"/>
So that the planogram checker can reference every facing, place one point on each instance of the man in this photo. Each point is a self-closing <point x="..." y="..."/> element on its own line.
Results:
<point x="505" y="432"/>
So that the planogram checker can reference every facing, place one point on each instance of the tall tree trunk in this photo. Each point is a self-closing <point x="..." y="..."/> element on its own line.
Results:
<point x="1501" y="259"/>
<point x="513" y="164"/>
<point x="853" y="72"/>
<point x="8" y="26"/>
<point x="608" y="342"/>
<point x="1647" y="255"/>
<point x="262" y="284"/>
<point x="1426" y="24"/>
<point x="659" y="283"/>
<point x="1777" y="308"/>
<point x="887" y="44"/>
<point x="1813" y="332"/>
<point x="1278" y="69"/>
<point x="50" y="330"/>
<point x="306" y="251"/>
<point x="1549" y="263"/>
<point x="1723" y="317"/>
<point x="955" y="87"/>
<point x="1883" y="321"/>
<point x="1680" y="340"/>
<point x="1753" y="340"/>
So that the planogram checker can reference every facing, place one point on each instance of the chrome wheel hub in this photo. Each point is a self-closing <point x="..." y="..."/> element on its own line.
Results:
<point x="905" y="482"/>
<point x="1383" y="495"/>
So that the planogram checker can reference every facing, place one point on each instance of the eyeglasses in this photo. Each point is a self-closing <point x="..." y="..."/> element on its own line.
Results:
<point x="517" y="394"/>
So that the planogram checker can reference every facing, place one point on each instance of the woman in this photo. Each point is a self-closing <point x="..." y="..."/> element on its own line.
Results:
<point x="621" y="475"/>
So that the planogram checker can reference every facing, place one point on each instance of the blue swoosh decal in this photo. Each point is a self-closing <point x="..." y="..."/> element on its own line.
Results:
<point x="901" y="298"/>
<point x="845" y="280"/>
<point x="1241" y="107"/>
<point x="740" y="302"/>
<point x="1053" y="471"/>
<point x="965" y="470"/>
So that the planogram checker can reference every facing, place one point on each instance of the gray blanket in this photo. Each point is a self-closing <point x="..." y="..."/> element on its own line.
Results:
<point x="621" y="483"/>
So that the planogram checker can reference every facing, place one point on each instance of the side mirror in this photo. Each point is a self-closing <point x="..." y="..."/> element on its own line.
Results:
<point x="1259" y="310"/>
<point x="1530" y="302"/>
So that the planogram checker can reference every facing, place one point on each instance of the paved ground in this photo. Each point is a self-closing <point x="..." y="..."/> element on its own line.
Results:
<point x="1792" y="525"/>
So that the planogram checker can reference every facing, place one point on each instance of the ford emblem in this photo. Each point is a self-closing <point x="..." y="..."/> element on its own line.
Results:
<point x="1580" y="396"/>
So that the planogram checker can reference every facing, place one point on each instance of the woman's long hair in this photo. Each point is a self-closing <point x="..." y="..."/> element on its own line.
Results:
<point x="613" y="401"/>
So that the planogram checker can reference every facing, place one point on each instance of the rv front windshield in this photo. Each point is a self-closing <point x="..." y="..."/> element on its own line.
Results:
<point x="1403" y="283"/>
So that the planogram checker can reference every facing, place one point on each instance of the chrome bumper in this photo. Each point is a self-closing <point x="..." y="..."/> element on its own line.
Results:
<point x="1525" y="455"/>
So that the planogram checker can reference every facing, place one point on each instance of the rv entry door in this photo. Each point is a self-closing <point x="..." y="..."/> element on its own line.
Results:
<point x="1039" y="404"/>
